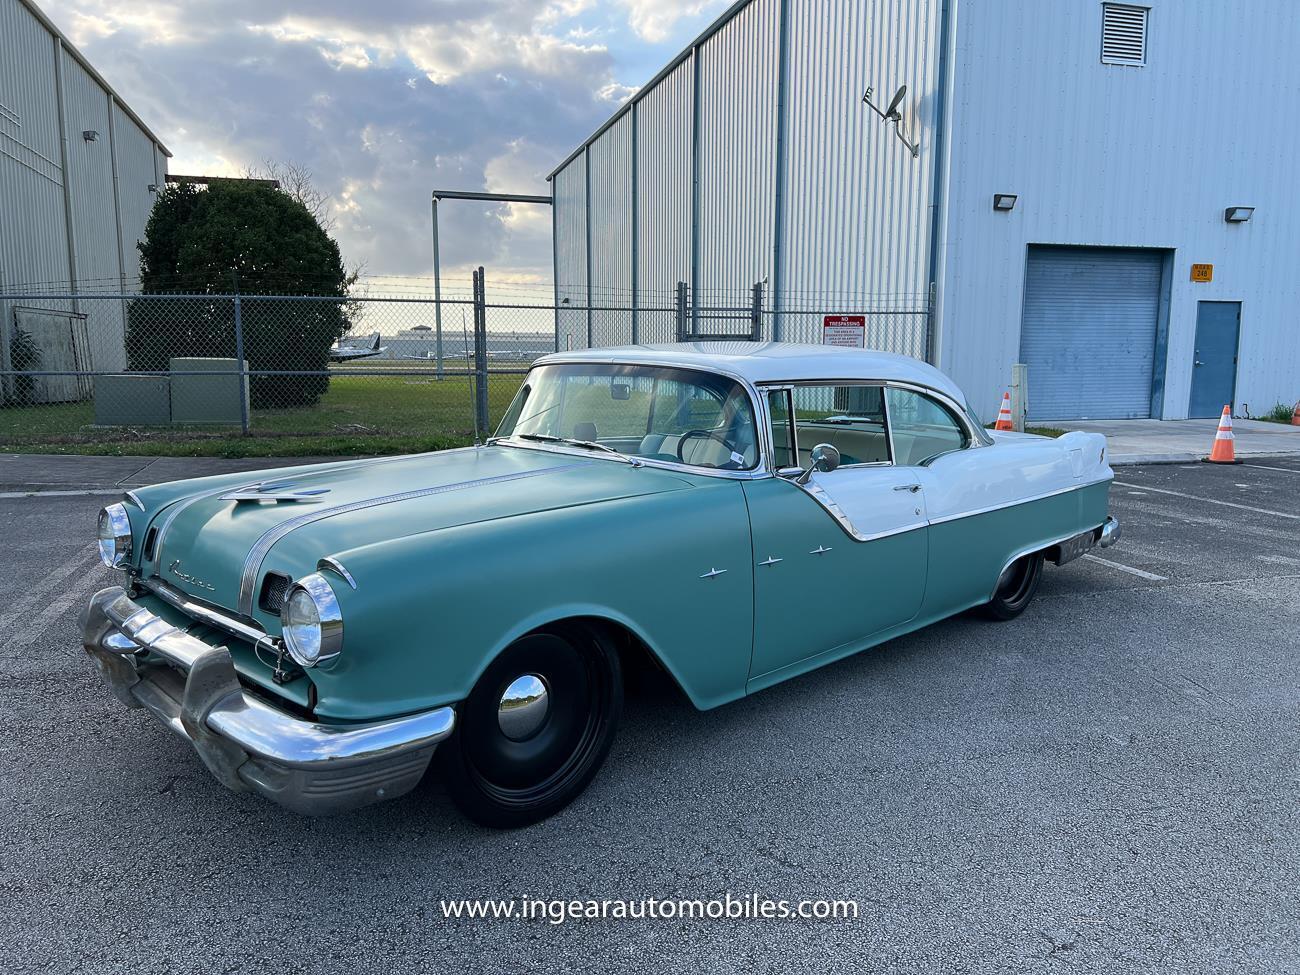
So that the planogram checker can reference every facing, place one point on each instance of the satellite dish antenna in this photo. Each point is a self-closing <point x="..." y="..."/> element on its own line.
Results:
<point x="892" y="110"/>
<point x="892" y="114"/>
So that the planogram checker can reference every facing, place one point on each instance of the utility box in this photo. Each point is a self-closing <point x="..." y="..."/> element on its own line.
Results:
<point x="213" y="395"/>
<point x="128" y="401"/>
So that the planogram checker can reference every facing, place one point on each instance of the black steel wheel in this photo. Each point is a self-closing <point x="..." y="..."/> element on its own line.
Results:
<point x="1016" y="588"/>
<point x="536" y="728"/>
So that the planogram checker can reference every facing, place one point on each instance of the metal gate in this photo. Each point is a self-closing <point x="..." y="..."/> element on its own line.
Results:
<point x="1088" y="332"/>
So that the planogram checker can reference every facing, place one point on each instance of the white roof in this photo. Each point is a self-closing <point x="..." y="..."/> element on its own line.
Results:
<point x="769" y="362"/>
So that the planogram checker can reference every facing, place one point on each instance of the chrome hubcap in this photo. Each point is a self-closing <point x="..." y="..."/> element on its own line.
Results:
<point x="523" y="707"/>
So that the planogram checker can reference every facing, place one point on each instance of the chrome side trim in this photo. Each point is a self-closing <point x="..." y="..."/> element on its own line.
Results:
<point x="334" y="565"/>
<point x="203" y="612"/>
<point x="257" y="554"/>
<point x="835" y="511"/>
<point x="1011" y="504"/>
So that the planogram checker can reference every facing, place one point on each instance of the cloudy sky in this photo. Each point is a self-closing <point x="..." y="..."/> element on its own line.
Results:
<point x="385" y="99"/>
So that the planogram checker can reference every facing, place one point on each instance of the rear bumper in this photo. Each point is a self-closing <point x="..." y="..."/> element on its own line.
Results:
<point x="246" y="743"/>
<point x="1109" y="532"/>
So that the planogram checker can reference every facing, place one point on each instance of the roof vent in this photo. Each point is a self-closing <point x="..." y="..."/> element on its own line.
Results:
<point x="1123" y="34"/>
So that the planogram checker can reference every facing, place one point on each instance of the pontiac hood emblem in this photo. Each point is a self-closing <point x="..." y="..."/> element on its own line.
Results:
<point x="175" y="569"/>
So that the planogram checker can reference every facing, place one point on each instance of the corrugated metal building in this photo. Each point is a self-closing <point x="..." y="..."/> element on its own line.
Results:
<point x="78" y="173"/>
<point x="1125" y="132"/>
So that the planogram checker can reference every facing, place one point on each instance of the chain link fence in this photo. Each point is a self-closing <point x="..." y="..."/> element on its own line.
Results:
<point x="289" y="374"/>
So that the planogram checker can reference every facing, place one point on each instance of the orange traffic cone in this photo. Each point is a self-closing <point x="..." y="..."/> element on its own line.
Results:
<point x="1004" y="414"/>
<point x="1222" y="452"/>
<point x="1295" y="414"/>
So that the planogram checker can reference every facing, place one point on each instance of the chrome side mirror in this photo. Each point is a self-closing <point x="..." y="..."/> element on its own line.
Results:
<point x="824" y="459"/>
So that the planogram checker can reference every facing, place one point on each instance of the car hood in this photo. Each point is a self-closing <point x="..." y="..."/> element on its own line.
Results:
<point x="215" y="547"/>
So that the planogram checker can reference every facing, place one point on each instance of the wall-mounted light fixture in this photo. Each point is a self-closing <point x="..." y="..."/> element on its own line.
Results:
<point x="1004" y="201"/>
<point x="90" y="135"/>
<point x="153" y="187"/>
<point x="1238" y="214"/>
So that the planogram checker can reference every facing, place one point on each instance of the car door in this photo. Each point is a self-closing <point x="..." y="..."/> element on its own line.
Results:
<point x="843" y="556"/>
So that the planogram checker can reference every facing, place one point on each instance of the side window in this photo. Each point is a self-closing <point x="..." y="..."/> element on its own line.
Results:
<point x="922" y="428"/>
<point x="850" y="418"/>
<point x="778" y="404"/>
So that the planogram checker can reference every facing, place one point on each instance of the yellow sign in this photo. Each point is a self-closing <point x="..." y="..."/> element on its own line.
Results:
<point x="1203" y="272"/>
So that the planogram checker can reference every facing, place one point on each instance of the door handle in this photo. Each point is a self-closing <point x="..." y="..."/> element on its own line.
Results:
<point x="1198" y="362"/>
<point x="907" y="487"/>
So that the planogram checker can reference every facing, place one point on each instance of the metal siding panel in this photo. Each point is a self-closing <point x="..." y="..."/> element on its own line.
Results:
<point x="90" y="183"/>
<point x="135" y="173"/>
<point x="1118" y="156"/>
<point x="663" y="200"/>
<point x="1089" y="332"/>
<point x="610" y="158"/>
<point x="27" y="87"/>
<point x="857" y="204"/>
<point x="738" y="75"/>
<point x="570" y="188"/>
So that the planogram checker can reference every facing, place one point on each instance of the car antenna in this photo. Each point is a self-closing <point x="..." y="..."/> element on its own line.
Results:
<point x="471" y="376"/>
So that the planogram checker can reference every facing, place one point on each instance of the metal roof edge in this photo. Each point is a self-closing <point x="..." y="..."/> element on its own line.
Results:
<point x="723" y="19"/>
<point x="81" y="59"/>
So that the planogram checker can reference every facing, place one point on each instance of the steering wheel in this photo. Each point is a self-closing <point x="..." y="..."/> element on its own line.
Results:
<point x="708" y="435"/>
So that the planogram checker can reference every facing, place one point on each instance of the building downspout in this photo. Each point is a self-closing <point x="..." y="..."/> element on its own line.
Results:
<point x="779" y="193"/>
<point x="941" y="178"/>
<point x="117" y="195"/>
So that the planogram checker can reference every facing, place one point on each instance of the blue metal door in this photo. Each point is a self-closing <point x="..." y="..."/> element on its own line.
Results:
<point x="1214" y="366"/>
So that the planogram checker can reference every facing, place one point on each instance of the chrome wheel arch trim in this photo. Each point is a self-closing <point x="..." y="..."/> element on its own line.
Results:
<point x="257" y="554"/>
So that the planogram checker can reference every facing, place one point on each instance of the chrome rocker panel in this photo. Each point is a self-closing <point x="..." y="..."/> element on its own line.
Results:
<point x="247" y="744"/>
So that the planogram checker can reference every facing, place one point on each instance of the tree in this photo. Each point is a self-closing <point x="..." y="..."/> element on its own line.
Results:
<point x="257" y="240"/>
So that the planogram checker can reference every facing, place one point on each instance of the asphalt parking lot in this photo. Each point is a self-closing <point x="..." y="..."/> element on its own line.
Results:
<point x="1109" y="784"/>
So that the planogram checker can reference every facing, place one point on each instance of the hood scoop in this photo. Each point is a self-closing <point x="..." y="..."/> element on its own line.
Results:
<point x="277" y="491"/>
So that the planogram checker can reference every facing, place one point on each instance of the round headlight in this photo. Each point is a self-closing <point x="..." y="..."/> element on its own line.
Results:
<point x="114" y="536"/>
<point x="311" y="623"/>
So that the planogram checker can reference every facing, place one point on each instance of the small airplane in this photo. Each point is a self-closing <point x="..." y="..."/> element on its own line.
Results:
<point x="349" y="347"/>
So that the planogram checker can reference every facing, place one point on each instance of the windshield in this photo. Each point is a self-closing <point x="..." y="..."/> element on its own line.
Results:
<point x="652" y="412"/>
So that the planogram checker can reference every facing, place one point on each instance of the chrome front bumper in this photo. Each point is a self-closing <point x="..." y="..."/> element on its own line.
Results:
<point x="246" y="743"/>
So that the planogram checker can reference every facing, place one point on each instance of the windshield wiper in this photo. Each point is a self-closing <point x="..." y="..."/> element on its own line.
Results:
<point x="575" y="442"/>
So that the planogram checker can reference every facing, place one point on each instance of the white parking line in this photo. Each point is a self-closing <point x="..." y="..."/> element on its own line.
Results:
<point x="1126" y="568"/>
<point x="1226" y="504"/>
<point x="1265" y="467"/>
<point x="60" y="494"/>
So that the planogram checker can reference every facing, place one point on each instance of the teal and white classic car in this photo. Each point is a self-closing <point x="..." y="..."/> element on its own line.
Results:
<point x="323" y="634"/>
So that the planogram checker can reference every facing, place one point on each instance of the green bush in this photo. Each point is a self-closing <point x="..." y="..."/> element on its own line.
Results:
<point x="1281" y="413"/>
<point x="254" y="239"/>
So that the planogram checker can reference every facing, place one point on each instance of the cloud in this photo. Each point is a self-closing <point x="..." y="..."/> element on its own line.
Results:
<point x="654" y="20"/>
<point x="383" y="102"/>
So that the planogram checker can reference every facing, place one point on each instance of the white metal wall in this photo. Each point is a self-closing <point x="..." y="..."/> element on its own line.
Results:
<point x="1126" y="157"/>
<point x="610" y="159"/>
<point x="853" y="208"/>
<point x="858" y="204"/>
<point x="663" y="200"/>
<point x="569" y="187"/>
<point x="35" y="231"/>
<point x="737" y="159"/>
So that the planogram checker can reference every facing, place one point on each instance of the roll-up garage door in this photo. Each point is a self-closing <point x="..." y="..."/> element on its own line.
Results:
<point x="1089" y="331"/>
